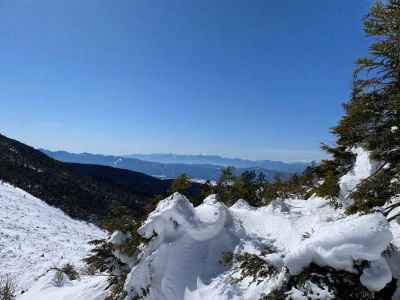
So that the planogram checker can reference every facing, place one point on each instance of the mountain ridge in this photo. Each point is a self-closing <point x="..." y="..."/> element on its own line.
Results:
<point x="291" y="167"/>
<point x="163" y="170"/>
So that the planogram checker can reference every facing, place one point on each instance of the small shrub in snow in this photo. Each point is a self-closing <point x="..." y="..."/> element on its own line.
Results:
<point x="226" y="259"/>
<point x="69" y="270"/>
<point x="102" y="258"/>
<point x="7" y="288"/>
<point x="61" y="275"/>
<point x="106" y="257"/>
<point x="253" y="266"/>
<point x="58" y="279"/>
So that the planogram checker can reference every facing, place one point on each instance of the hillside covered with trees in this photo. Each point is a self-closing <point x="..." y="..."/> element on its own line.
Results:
<point x="82" y="191"/>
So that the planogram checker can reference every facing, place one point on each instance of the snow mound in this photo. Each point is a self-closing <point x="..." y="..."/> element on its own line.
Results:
<point x="340" y="243"/>
<point x="189" y="243"/>
<point x="35" y="237"/>
<point x="182" y="261"/>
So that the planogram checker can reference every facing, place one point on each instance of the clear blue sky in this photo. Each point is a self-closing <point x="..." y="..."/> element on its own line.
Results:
<point x="255" y="79"/>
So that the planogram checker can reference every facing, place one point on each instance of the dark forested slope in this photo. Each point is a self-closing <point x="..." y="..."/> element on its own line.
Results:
<point x="82" y="191"/>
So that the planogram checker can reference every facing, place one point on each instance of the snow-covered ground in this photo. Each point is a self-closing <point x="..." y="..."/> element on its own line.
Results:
<point x="86" y="288"/>
<point x="183" y="261"/>
<point x="35" y="237"/>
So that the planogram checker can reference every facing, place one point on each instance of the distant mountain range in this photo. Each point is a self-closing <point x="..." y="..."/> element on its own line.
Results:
<point x="170" y="169"/>
<point x="293" y="167"/>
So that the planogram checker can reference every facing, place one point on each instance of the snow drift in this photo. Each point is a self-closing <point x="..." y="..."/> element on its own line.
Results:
<point x="188" y="246"/>
<point x="183" y="259"/>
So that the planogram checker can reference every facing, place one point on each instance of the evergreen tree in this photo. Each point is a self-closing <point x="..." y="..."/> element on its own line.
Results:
<point x="372" y="115"/>
<point x="119" y="217"/>
<point x="224" y="185"/>
<point x="181" y="184"/>
<point x="246" y="186"/>
<point x="206" y="189"/>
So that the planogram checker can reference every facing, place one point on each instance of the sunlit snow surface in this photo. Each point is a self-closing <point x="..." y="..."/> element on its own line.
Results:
<point x="363" y="168"/>
<point x="35" y="237"/>
<point x="183" y="260"/>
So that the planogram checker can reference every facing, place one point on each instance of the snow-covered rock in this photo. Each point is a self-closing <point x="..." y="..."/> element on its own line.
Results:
<point x="338" y="244"/>
<point x="188" y="246"/>
<point x="183" y="259"/>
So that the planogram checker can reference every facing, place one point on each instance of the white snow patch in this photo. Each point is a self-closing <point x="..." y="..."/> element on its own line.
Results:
<point x="202" y="181"/>
<point x="35" y="237"/>
<point x="339" y="243"/>
<point x="118" y="238"/>
<point x="117" y="161"/>
<point x="86" y="288"/>
<point x="377" y="275"/>
<point x="363" y="168"/>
